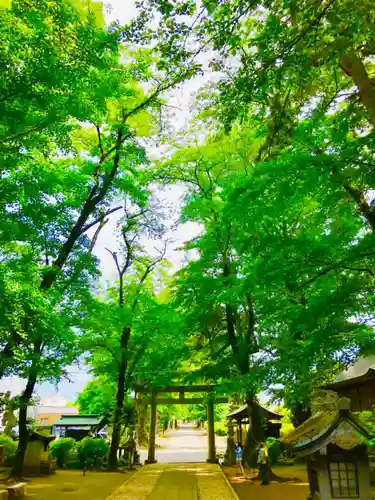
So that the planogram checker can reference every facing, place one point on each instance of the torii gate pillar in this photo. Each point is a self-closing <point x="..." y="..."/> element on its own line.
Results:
<point x="211" y="430"/>
<point x="151" y="445"/>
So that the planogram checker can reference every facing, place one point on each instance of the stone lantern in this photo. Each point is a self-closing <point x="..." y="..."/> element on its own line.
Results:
<point x="230" y="454"/>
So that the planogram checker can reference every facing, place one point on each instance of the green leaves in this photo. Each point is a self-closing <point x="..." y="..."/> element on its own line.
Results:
<point x="278" y="290"/>
<point x="97" y="398"/>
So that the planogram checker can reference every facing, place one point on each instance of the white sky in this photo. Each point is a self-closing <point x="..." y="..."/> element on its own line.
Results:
<point x="183" y="100"/>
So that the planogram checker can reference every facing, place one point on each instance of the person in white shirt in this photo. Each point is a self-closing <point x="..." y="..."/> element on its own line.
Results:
<point x="262" y="464"/>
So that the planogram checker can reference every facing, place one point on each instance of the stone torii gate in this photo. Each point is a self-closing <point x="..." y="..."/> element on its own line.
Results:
<point x="210" y="401"/>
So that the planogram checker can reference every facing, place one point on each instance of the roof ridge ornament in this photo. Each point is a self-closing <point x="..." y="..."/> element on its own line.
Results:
<point x="344" y="405"/>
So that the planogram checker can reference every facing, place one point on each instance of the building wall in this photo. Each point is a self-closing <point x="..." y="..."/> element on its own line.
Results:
<point x="47" y="419"/>
<point x="48" y="415"/>
<point x="362" y="396"/>
<point x="364" y="480"/>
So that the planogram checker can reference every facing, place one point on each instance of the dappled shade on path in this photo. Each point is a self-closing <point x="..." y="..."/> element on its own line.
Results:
<point x="253" y="490"/>
<point x="72" y="485"/>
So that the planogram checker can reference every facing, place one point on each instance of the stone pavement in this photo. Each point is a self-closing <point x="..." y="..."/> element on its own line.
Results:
<point x="176" y="482"/>
<point x="184" y="445"/>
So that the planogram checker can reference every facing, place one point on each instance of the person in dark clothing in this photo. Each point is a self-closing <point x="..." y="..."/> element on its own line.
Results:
<point x="263" y="464"/>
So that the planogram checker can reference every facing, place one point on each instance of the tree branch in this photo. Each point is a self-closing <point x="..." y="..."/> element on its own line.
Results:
<point x="102" y="223"/>
<point x="352" y="65"/>
<point x="147" y="272"/>
<point x="114" y="257"/>
<point x="99" y="219"/>
<point x="100" y="144"/>
<point x="341" y="264"/>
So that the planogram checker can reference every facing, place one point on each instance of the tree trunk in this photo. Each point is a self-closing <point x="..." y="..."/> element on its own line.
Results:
<point x="115" y="442"/>
<point x="363" y="207"/>
<point x="120" y="394"/>
<point x="255" y="433"/>
<point x="300" y="414"/>
<point x="353" y="67"/>
<point x="17" y="468"/>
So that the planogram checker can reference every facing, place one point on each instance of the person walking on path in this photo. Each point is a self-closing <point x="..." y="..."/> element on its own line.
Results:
<point x="238" y="450"/>
<point x="263" y="465"/>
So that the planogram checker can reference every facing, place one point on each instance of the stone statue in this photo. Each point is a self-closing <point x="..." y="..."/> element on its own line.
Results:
<point x="9" y="420"/>
<point x="129" y="448"/>
<point x="141" y="407"/>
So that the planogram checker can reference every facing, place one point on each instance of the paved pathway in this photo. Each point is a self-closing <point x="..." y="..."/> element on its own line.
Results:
<point x="176" y="482"/>
<point x="184" y="446"/>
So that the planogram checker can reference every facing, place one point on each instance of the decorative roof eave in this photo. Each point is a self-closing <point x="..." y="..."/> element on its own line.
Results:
<point x="315" y="443"/>
<point x="361" y="379"/>
<point x="306" y="442"/>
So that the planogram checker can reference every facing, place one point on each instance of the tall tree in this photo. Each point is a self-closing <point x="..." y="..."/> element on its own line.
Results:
<point x="278" y="294"/>
<point x="129" y="346"/>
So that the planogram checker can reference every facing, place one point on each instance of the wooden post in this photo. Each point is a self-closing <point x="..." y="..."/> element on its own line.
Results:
<point x="151" y="443"/>
<point x="211" y="430"/>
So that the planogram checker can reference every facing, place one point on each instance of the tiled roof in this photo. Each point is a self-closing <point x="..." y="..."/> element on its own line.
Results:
<point x="318" y="428"/>
<point x="242" y="413"/>
<point x="358" y="371"/>
<point x="78" y="420"/>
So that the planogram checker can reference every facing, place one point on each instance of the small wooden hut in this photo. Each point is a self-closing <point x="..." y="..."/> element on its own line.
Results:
<point x="241" y="419"/>
<point x="333" y="442"/>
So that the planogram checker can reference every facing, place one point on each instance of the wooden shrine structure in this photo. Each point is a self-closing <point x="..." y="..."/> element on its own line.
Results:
<point x="357" y="383"/>
<point x="209" y="400"/>
<point x="241" y="418"/>
<point x="334" y="444"/>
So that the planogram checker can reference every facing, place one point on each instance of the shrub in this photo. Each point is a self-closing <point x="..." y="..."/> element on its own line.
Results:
<point x="10" y="448"/>
<point x="286" y="428"/>
<point x="274" y="451"/>
<point x="92" y="452"/>
<point x="221" y="428"/>
<point x="368" y="419"/>
<point x="60" y="450"/>
<point x="221" y="432"/>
